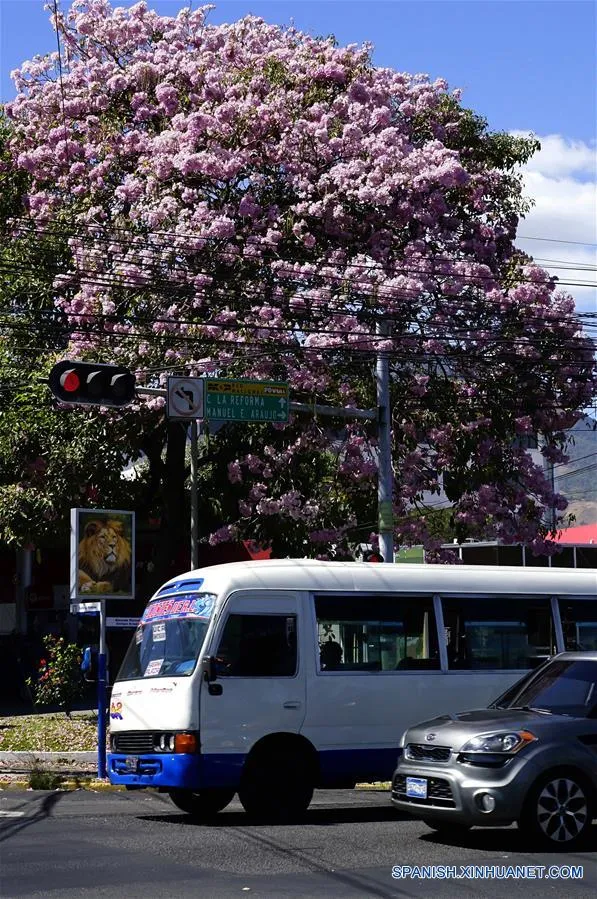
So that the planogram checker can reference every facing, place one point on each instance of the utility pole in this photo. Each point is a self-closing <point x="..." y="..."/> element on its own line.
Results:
<point x="385" y="475"/>
<point x="194" y="500"/>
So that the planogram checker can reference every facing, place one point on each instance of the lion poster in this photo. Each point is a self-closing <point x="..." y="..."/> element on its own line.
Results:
<point x="102" y="554"/>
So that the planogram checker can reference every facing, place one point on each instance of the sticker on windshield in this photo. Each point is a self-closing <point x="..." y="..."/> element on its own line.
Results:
<point x="199" y="607"/>
<point x="153" y="668"/>
<point x="158" y="631"/>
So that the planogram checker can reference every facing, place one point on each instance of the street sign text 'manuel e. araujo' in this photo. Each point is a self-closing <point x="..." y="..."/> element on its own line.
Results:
<point x="245" y="400"/>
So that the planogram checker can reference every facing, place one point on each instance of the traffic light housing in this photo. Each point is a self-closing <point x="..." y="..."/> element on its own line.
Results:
<point x="92" y="383"/>
<point x="371" y="555"/>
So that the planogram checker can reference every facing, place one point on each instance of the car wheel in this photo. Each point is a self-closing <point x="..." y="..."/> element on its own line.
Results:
<point x="558" y="811"/>
<point x="276" y="788"/>
<point x="447" y="827"/>
<point x="203" y="803"/>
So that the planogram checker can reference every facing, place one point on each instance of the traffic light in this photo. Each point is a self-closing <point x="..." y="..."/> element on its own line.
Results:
<point x="92" y="383"/>
<point x="371" y="555"/>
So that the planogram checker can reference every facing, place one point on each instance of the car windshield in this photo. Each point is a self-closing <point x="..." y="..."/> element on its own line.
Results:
<point x="169" y="637"/>
<point x="562" y="687"/>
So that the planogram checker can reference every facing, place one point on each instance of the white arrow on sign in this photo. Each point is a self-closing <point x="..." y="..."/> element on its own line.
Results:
<point x="184" y="398"/>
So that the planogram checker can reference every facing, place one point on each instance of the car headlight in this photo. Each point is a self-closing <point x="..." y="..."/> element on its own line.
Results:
<point x="402" y="742"/>
<point x="501" y="741"/>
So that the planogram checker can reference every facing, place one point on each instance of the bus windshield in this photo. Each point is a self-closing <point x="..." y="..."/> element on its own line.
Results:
<point x="169" y="637"/>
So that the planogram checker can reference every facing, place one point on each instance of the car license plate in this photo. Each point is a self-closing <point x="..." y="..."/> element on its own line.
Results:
<point x="131" y="762"/>
<point x="416" y="787"/>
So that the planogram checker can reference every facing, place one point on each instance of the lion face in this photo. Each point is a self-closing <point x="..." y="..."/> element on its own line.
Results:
<point x="103" y="550"/>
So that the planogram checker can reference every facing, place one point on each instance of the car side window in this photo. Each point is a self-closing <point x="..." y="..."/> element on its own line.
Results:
<point x="258" y="646"/>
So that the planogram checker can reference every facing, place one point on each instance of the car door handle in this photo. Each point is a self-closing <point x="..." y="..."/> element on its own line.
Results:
<point x="292" y="704"/>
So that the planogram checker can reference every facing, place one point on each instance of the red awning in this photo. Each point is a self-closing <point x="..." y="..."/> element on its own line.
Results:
<point x="256" y="552"/>
<point x="585" y="533"/>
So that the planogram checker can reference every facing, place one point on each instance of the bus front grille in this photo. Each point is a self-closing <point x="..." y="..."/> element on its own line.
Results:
<point x="133" y="741"/>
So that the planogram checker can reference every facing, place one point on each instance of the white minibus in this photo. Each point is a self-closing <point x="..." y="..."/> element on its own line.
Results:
<point x="271" y="678"/>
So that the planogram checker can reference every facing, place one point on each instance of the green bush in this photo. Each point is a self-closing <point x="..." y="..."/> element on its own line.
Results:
<point x="59" y="680"/>
<point x="44" y="780"/>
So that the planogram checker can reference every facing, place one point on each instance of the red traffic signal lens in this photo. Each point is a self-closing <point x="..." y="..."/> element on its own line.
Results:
<point x="92" y="383"/>
<point x="70" y="381"/>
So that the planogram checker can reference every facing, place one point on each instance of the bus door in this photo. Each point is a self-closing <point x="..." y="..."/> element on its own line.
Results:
<point x="260" y="682"/>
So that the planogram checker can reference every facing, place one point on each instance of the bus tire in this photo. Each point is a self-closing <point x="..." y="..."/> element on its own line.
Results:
<point x="277" y="784"/>
<point x="202" y="803"/>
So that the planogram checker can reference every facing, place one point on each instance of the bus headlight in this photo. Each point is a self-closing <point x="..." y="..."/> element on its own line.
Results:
<point x="164" y="742"/>
<point x="176" y="742"/>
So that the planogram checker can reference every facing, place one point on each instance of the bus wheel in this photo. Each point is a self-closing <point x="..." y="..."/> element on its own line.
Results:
<point x="277" y="785"/>
<point x="203" y="803"/>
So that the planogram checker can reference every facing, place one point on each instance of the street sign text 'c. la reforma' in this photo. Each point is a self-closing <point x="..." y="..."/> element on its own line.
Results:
<point x="246" y="400"/>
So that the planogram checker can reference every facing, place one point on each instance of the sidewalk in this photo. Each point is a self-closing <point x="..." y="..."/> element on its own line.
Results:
<point x="22" y="762"/>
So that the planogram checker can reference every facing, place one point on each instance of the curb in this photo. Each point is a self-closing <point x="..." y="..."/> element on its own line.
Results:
<point x="91" y="785"/>
<point x="383" y="786"/>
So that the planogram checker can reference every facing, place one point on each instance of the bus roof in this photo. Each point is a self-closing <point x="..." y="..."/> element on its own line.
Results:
<point x="311" y="574"/>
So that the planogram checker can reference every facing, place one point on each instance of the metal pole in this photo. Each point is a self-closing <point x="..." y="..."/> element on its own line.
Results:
<point x="194" y="501"/>
<point x="101" y="694"/>
<point x="385" y="476"/>
<point x="24" y="580"/>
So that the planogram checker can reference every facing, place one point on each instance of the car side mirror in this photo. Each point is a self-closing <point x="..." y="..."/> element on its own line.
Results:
<point x="208" y="667"/>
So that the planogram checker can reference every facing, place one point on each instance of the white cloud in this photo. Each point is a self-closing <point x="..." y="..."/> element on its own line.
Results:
<point x="559" y="157"/>
<point x="562" y="180"/>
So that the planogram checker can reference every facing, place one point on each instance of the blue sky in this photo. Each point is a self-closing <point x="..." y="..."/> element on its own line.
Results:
<point x="524" y="65"/>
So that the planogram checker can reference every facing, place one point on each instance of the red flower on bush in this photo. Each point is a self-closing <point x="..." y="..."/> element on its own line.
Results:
<point x="59" y="680"/>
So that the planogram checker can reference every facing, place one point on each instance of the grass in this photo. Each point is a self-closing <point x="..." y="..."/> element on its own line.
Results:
<point x="49" y="733"/>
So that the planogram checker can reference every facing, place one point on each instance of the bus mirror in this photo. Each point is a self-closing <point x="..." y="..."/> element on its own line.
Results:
<point x="208" y="666"/>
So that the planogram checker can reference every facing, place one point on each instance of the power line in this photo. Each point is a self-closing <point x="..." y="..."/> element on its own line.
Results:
<point x="295" y="340"/>
<point x="579" y="243"/>
<point x="453" y="259"/>
<point x="305" y="305"/>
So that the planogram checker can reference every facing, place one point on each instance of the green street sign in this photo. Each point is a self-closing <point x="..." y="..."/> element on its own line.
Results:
<point x="385" y="515"/>
<point x="246" y="400"/>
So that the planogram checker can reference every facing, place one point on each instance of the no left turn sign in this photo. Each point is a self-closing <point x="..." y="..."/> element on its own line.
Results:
<point x="184" y="398"/>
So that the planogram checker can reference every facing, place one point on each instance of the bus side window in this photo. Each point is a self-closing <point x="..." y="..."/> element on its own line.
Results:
<point x="376" y="633"/>
<point x="579" y="624"/>
<point x="258" y="646"/>
<point x="497" y="633"/>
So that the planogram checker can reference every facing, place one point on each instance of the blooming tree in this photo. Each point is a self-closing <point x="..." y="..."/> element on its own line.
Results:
<point x="257" y="202"/>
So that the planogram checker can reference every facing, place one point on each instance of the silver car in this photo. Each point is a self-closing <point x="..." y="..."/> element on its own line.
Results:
<point x="531" y="758"/>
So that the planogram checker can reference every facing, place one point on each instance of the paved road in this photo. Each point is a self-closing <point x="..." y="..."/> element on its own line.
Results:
<point x="61" y="845"/>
